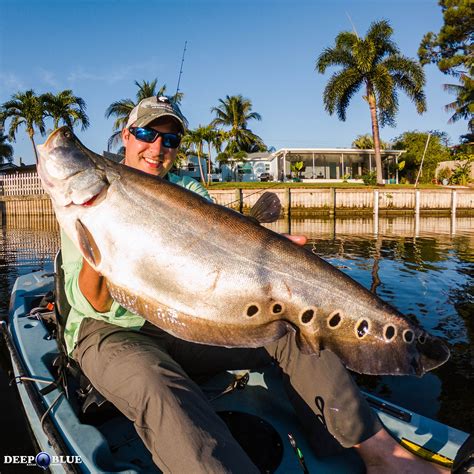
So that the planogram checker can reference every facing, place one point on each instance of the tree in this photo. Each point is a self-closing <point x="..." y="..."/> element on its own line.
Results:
<point x="28" y="109"/>
<point x="451" y="49"/>
<point x="296" y="168"/>
<point x="121" y="108"/>
<point x="463" y="106"/>
<point x="213" y="138"/>
<point x="195" y="140"/>
<point x="373" y="62"/>
<point x="366" y="142"/>
<point x="235" y="112"/>
<point x="6" y="150"/>
<point x="414" y="143"/>
<point x="67" y="108"/>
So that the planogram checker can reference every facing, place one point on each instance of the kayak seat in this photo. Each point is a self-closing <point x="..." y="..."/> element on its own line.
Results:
<point x="91" y="402"/>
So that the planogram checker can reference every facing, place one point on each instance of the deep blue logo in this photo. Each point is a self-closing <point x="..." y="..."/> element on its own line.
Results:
<point x="43" y="460"/>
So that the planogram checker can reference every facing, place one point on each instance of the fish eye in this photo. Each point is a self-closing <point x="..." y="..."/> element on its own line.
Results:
<point x="334" y="320"/>
<point x="307" y="316"/>
<point x="67" y="134"/>
<point x="389" y="332"/>
<point x="408" y="336"/>
<point x="252" y="310"/>
<point x="277" y="308"/>
<point x="362" y="328"/>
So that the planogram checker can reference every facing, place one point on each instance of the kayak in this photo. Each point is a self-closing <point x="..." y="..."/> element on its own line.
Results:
<point x="103" y="440"/>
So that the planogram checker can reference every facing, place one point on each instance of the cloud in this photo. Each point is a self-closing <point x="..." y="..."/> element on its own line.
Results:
<point x="112" y="76"/>
<point x="10" y="83"/>
<point x="48" y="78"/>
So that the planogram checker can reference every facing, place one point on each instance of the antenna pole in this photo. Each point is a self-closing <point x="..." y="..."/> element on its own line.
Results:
<point x="181" y="68"/>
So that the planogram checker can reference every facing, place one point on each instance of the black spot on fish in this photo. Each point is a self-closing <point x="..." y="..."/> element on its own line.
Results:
<point x="334" y="320"/>
<point x="422" y="338"/>
<point x="389" y="333"/>
<point x="362" y="328"/>
<point x="252" y="310"/>
<point x="307" y="316"/>
<point x="408" y="336"/>
<point x="277" y="308"/>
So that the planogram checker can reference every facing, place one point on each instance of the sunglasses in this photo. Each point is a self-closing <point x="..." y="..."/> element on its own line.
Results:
<point x="149" y="135"/>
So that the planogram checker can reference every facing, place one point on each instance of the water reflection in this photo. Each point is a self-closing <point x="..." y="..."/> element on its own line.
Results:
<point x="423" y="267"/>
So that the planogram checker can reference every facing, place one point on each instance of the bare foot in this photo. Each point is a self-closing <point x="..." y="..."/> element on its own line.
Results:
<point x="381" y="453"/>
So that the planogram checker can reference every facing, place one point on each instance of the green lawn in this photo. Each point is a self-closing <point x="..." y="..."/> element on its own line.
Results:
<point x="259" y="185"/>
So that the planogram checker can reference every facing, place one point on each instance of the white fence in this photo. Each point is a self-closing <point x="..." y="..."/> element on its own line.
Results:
<point x="21" y="184"/>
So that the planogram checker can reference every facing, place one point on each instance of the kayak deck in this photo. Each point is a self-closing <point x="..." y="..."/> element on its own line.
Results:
<point x="111" y="444"/>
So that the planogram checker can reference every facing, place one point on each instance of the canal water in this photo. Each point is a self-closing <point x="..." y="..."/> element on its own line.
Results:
<point x="423" y="266"/>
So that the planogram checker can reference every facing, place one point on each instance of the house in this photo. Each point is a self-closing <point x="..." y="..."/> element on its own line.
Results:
<point x="336" y="164"/>
<point x="326" y="164"/>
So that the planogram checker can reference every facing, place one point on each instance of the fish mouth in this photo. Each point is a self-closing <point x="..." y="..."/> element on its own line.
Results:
<point x="52" y="135"/>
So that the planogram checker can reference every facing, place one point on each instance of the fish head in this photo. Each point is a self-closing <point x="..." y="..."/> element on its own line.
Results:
<point x="70" y="173"/>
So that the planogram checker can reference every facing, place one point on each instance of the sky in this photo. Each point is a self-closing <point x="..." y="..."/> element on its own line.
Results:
<point x="264" y="50"/>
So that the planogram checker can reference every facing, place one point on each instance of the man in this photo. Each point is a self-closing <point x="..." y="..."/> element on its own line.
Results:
<point x="150" y="376"/>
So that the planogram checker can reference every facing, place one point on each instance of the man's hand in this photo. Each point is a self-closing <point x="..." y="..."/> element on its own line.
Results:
<point x="94" y="287"/>
<point x="297" y="239"/>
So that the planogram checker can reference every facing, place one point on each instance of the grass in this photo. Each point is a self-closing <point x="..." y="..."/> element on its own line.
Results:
<point x="265" y="185"/>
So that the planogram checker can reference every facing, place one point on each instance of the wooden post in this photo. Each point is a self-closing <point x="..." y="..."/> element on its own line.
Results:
<point x="332" y="202"/>
<point x="376" y="211"/>
<point x="240" y="200"/>
<point x="453" y="202"/>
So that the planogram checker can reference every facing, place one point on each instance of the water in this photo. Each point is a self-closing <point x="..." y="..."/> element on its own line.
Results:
<point x="424" y="267"/>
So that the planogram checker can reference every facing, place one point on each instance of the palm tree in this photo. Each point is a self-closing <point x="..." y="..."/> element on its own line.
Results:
<point x="28" y="109"/>
<point x="121" y="108"/>
<point x="366" y="142"/>
<point x="235" y="112"/>
<point x="195" y="140"/>
<point x="463" y="106"/>
<point x="214" y="139"/>
<point x="6" y="150"/>
<point x="67" y="108"/>
<point x="375" y="63"/>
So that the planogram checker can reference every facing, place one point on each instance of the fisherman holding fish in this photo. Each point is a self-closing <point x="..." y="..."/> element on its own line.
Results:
<point x="152" y="376"/>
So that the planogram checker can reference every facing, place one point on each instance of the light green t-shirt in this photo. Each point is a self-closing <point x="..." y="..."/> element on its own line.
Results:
<point x="80" y="307"/>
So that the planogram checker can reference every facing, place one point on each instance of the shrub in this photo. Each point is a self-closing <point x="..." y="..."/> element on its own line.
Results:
<point x="461" y="174"/>
<point x="370" y="178"/>
<point x="444" y="173"/>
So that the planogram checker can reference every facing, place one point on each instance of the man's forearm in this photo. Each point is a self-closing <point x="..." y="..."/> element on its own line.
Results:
<point x="94" y="287"/>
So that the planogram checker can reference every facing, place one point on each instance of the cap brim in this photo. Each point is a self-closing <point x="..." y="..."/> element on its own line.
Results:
<point x="147" y="119"/>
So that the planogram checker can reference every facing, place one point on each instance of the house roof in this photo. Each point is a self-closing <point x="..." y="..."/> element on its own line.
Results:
<point x="335" y="151"/>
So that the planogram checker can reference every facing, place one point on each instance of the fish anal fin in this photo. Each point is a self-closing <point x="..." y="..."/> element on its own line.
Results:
<point x="373" y="357"/>
<point x="88" y="246"/>
<point x="267" y="209"/>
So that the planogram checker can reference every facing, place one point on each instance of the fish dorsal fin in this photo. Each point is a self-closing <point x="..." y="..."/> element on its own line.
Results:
<point x="89" y="248"/>
<point x="267" y="208"/>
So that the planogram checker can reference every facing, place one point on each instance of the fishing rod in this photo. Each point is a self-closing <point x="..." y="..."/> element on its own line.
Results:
<point x="181" y="69"/>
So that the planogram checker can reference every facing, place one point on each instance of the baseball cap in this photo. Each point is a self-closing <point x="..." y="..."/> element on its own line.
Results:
<point x="151" y="108"/>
